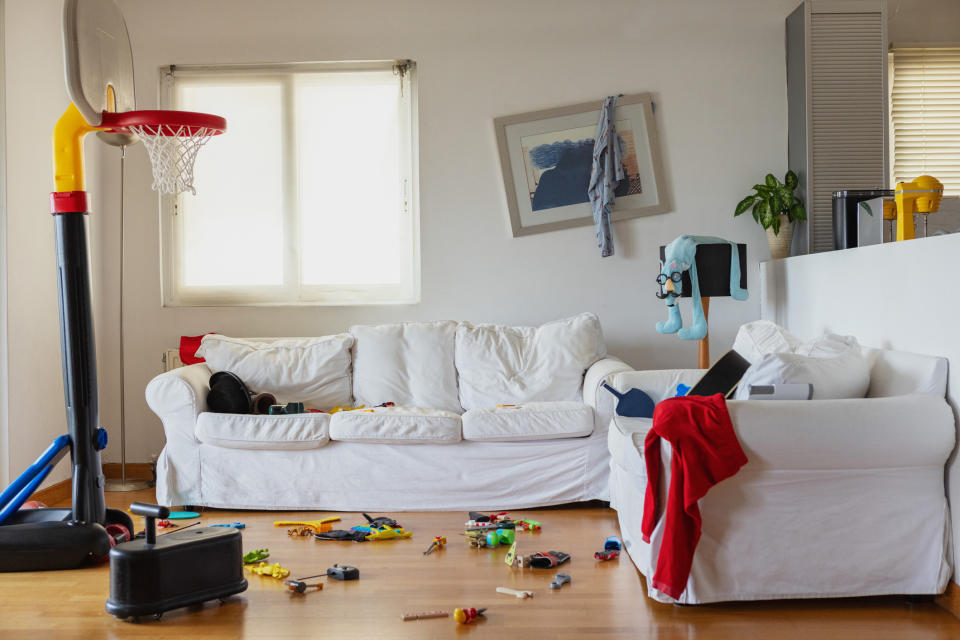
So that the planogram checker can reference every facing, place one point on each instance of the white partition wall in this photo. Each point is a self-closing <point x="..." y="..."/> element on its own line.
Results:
<point x="900" y="295"/>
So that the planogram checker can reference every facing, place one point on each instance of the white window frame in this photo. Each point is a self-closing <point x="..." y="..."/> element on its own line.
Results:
<point x="292" y="292"/>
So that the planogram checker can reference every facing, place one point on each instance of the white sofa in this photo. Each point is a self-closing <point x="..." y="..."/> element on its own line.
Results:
<point x="839" y="497"/>
<point x="446" y="445"/>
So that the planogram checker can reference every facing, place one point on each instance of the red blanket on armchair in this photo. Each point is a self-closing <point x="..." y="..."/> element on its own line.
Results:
<point x="705" y="451"/>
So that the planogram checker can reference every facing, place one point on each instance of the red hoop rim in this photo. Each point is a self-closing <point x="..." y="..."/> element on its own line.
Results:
<point x="186" y="123"/>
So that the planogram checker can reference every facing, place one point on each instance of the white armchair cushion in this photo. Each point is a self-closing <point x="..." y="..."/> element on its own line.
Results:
<point x="396" y="425"/>
<point x="410" y="364"/>
<point x="315" y="371"/>
<point x="516" y="365"/>
<point x="846" y="375"/>
<point x="531" y="421"/>
<point x="245" y="431"/>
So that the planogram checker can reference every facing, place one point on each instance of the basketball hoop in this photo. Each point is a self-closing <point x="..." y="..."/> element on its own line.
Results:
<point x="172" y="139"/>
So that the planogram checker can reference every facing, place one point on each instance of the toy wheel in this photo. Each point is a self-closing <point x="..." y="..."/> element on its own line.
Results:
<point x="118" y="533"/>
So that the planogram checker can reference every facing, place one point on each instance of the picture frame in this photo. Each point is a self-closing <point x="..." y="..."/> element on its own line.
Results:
<point x="546" y="157"/>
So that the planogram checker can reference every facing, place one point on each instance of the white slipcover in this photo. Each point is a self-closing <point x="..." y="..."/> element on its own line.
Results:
<point x="839" y="497"/>
<point x="530" y="421"/>
<point x="410" y="364"/>
<point x="397" y="425"/>
<point x="239" y="431"/>
<point x="513" y="365"/>
<point x="315" y="371"/>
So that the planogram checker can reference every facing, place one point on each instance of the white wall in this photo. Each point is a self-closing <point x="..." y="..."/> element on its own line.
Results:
<point x="716" y="71"/>
<point x="898" y="295"/>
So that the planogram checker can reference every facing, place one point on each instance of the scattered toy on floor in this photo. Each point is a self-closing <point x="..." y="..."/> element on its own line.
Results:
<point x="610" y="554"/>
<point x="511" y="555"/>
<point x="318" y="526"/>
<point x="548" y="560"/>
<point x="530" y="526"/>
<point x="439" y="542"/>
<point x="301" y="531"/>
<point x="515" y="592"/>
<point x="256" y="556"/>
<point x="165" y="524"/>
<point x="476" y="539"/>
<point x="272" y="570"/>
<point x="493" y="517"/>
<point x="559" y="580"/>
<point x="235" y="525"/>
<point x="341" y="572"/>
<point x="342" y="534"/>
<point x="501" y="536"/>
<point x="522" y="562"/>
<point x="388" y="533"/>
<point x="613" y="542"/>
<point x="424" y="615"/>
<point x="183" y="515"/>
<point x="382" y="521"/>
<point x="467" y="615"/>
<point x="300" y="584"/>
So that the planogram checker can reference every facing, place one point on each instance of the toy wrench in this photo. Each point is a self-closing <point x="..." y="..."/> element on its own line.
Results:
<point x="515" y="592"/>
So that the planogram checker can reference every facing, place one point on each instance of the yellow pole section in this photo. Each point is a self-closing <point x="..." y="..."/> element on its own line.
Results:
<point x="68" y="149"/>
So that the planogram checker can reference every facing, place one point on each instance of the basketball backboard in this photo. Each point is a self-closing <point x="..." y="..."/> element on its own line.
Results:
<point x="98" y="61"/>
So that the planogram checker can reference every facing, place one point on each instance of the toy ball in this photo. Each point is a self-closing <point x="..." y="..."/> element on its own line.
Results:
<point x="493" y="539"/>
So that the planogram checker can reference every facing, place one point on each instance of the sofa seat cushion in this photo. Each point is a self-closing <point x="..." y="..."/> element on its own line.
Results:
<point x="409" y="363"/>
<point x="396" y="425"/>
<point x="517" y="365"/>
<point x="246" y="431"/>
<point x="530" y="421"/>
<point x="314" y="371"/>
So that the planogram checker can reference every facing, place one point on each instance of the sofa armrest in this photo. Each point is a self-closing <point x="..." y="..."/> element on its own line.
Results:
<point x="596" y="396"/>
<point x="178" y="397"/>
<point x="658" y="384"/>
<point x="868" y="433"/>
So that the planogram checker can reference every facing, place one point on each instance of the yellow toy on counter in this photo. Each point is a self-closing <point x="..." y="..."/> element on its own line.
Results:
<point x="923" y="195"/>
<point x="272" y="570"/>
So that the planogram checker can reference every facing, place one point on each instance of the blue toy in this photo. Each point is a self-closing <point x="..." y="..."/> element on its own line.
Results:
<point x="679" y="256"/>
<point x="612" y="544"/>
<point x="632" y="404"/>
<point x="682" y="389"/>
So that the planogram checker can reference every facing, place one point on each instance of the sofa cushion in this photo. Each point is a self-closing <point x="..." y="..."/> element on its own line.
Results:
<point x="246" y="431"/>
<point x="315" y="371"/>
<point x="396" y="425"/>
<point x="516" y="365"/>
<point x="530" y="421"/>
<point x="760" y="337"/>
<point x="410" y="364"/>
<point x="846" y="375"/>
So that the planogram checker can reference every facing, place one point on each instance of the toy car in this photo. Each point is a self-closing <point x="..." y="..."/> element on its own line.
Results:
<point x="610" y="554"/>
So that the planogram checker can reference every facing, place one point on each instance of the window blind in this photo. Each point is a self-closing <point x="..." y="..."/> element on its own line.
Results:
<point x="925" y="115"/>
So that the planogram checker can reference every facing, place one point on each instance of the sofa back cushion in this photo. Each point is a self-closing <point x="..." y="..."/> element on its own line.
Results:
<point x="315" y="371"/>
<point x="512" y="365"/>
<point x="898" y="373"/>
<point x="410" y="364"/>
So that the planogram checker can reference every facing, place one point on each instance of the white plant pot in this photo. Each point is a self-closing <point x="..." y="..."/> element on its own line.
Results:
<point x="780" y="243"/>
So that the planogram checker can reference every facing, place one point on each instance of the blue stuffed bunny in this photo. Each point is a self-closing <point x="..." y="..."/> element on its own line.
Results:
<point x="679" y="256"/>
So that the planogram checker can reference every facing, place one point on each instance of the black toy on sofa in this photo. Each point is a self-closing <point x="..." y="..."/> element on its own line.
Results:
<point x="151" y="575"/>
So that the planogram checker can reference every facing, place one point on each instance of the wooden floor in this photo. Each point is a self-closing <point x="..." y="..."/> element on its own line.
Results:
<point x="605" y="600"/>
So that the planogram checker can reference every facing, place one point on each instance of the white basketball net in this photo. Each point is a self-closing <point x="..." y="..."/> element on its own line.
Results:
<point x="173" y="150"/>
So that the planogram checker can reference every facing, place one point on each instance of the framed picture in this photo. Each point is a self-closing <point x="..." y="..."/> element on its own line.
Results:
<point x="546" y="157"/>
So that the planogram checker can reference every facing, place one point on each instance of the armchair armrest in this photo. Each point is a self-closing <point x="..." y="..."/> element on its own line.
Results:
<point x="596" y="396"/>
<point x="178" y="397"/>
<point x="867" y="433"/>
<point x="658" y="384"/>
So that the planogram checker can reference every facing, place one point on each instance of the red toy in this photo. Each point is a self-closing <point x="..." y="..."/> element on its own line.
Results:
<point x="165" y="524"/>
<point x="465" y="616"/>
<point x="610" y="554"/>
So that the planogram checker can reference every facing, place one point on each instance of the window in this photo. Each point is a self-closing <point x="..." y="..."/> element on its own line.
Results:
<point x="925" y="115"/>
<point x="310" y="195"/>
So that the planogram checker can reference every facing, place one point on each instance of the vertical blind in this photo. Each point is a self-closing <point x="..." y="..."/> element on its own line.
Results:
<point x="925" y="114"/>
<point x="847" y="61"/>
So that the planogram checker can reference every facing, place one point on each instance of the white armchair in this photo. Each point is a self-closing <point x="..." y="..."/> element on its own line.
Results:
<point x="839" y="497"/>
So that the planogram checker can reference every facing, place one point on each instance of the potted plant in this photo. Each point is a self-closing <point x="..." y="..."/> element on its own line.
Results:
<point x="775" y="208"/>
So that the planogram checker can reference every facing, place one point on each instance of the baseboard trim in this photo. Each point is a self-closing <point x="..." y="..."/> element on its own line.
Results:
<point x="55" y="494"/>
<point x="950" y="599"/>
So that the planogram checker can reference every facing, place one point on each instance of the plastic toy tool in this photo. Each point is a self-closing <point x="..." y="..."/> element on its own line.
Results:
<point x="341" y="572"/>
<point x="632" y="404"/>
<point x="467" y="615"/>
<point x="438" y="542"/>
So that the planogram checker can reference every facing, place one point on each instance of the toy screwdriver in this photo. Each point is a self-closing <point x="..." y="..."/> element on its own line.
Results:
<point x="438" y="543"/>
<point x="300" y="585"/>
<point x="465" y="615"/>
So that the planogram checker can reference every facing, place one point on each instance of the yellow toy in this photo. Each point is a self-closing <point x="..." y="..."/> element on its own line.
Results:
<point x="341" y="407"/>
<point x="920" y="196"/>
<point x="319" y="526"/>
<point x="272" y="570"/>
<point x="388" y="533"/>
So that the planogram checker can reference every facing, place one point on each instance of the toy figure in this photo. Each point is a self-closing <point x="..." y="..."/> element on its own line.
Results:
<point x="680" y="256"/>
<point x="272" y="570"/>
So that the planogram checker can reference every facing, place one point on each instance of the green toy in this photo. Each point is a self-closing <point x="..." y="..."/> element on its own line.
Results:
<point x="183" y="515"/>
<point x="256" y="556"/>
